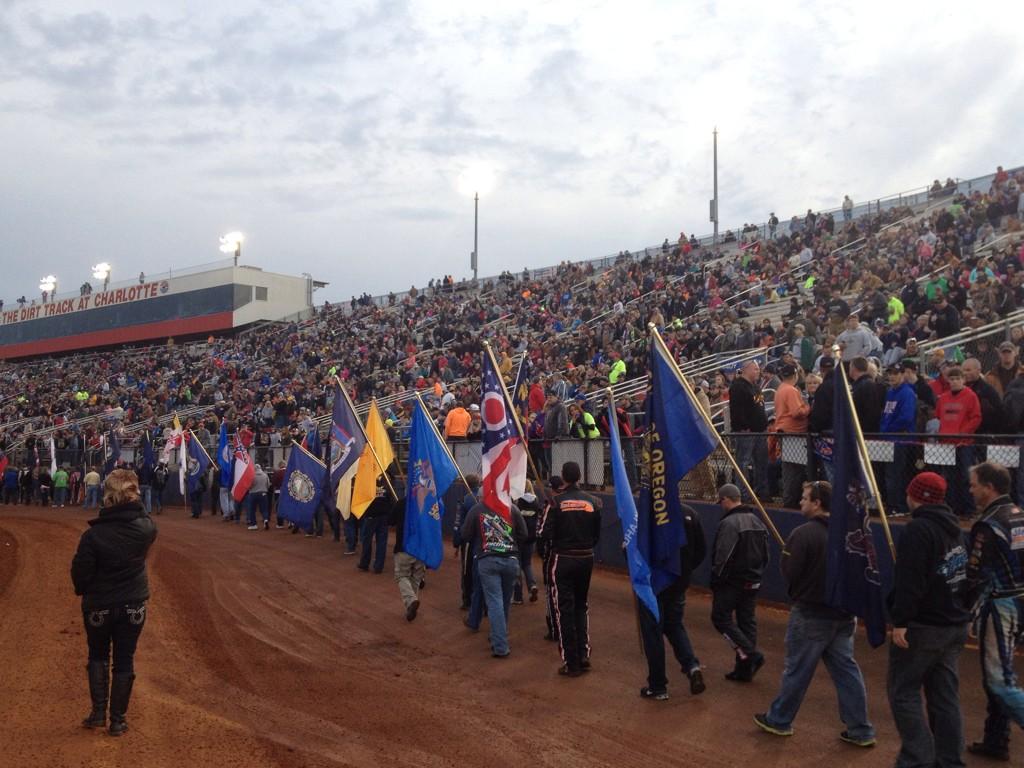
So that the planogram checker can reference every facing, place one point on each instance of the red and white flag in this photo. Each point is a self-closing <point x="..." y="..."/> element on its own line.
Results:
<point x="244" y="473"/>
<point x="504" y="455"/>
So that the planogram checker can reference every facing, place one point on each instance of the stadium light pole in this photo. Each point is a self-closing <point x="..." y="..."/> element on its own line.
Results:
<point x="476" y="180"/>
<point x="232" y="243"/>
<point x="714" y="202"/>
<point x="102" y="272"/>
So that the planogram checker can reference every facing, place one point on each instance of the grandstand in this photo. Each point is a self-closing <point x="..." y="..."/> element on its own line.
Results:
<point x="718" y="304"/>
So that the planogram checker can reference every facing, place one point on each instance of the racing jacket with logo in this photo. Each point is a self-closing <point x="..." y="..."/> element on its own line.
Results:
<point x="995" y="566"/>
<point x="573" y="525"/>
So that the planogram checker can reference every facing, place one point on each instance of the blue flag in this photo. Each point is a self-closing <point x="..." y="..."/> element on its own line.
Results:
<point x="677" y="439"/>
<point x="639" y="571"/>
<point x="853" y="580"/>
<point x="347" y="440"/>
<point x="312" y="442"/>
<point x="301" y="488"/>
<point x="112" y="453"/>
<point x="148" y="455"/>
<point x="431" y="473"/>
<point x="225" y="455"/>
<point x="521" y="389"/>
<point x="198" y="463"/>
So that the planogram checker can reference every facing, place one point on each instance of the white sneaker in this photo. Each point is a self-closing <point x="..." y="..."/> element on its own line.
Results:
<point x="254" y="527"/>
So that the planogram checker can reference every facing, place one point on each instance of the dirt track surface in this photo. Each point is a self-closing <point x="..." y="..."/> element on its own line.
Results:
<point x="267" y="649"/>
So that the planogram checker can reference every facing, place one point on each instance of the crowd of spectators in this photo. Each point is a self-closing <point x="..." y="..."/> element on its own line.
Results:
<point x="878" y="285"/>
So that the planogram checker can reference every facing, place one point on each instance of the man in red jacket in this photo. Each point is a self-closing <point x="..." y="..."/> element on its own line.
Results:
<point x="959" y="413"/>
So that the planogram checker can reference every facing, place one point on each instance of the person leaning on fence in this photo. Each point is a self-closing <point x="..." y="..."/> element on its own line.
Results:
<point x="739" y="556"/>
<point x="669" y="624"/>
<point x="959" y="413"/>
<point x="995" y="578"/>
<point x="899" y="416"/>
<point x="109" y="572"/>
<point x="929" y="614"/>
<point x="817" y="631"/>
<point x="791" y="412"/>
<point x="1007" y="369"/>
<point x="747" y="415"/>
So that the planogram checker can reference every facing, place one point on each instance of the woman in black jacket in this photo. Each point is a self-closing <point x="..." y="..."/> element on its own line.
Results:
<point x="109" y="572"/>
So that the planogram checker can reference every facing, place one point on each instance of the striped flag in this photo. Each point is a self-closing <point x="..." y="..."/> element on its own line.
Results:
<point x="504" y="455"/>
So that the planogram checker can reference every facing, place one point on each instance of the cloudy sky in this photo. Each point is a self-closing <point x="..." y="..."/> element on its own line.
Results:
<point x="334" y="134"/>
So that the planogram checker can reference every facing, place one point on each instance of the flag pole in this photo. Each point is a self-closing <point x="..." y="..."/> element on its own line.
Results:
<point x="440" y="439"/>
<point x="305" y="451"/>
<point x="201" y="446"/>
<point x="515" y="416"/>
<point x="397" y="464"/>
<point x="660" y="343"/>
<point x="636" y="600"/>
<point x="383" y="470"/>
<point x="865" y="459"/>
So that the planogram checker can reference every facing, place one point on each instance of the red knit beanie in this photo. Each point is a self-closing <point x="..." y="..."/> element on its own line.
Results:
<point x="927" y="488"/>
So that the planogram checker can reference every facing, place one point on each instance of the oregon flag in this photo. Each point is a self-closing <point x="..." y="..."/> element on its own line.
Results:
<point x="365" y="489"/>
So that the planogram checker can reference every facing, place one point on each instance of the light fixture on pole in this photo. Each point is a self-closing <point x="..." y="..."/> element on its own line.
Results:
<point x="48" y="286"/>
<point x="476" y="180"/>
<point x="232" y="243"/>
<point x="102" y="271"/>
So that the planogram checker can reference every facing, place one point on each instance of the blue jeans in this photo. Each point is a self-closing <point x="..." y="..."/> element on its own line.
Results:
<point x="254" y="501"/>
<point x="375" y="534"/>
<point x="930" y="663"/>
<point x="60" y="496"/>
<point x="146" y="492"/>
<point x="752" y="456"/>
<point x="811" y="638"/>
<point x="497" y="578"/>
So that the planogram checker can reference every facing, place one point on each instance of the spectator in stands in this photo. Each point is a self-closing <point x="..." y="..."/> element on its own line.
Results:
<point x="747" y="415"/>
<point x="1007" y="369"/>
<point x="867" y="399"/>
<point x="847" y="208"/>
<point x="945" y="319"/>
<point x="456" y="423"/>
<point x="899" y="417"/>
<point x="791" y="414"/>
<point x="989" y="399"/>
<point x="857" y="340"/>
<point x="959" y="413"/>
<point x="556" y="424"/>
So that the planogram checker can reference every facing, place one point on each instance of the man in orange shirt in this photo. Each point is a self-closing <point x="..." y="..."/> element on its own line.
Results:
<point x="791" y="413"/>
<point x="456" y="423"/>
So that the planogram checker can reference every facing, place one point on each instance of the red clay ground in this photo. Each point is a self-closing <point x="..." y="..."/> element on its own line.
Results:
<point x="267" y="649"/>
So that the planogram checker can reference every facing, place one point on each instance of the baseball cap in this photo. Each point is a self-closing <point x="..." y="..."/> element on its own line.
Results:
<point x="1007" y="346"/>
<point x="474" y="407"/>
<point x="786" y="370"/>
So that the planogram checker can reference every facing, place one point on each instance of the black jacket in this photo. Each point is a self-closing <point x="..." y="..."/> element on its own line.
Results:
<point x="740" y="552"/>
<point x="573" y="524"/>
<point x="746" y="407"/>
<point x="803" y="567"/>
<point x="930" y="576"/>
<point x="691" y="555"/>
<point x="991" y="408"/>
<point x="868" y="404"/>
<point x="109" y="567"/>
<point x="820" y="419"/>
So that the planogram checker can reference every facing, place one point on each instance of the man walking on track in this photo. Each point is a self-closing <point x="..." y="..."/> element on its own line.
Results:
<point x="817" y="631"/>
<point x="739" y="557"/>
<point x="571" y="529"/>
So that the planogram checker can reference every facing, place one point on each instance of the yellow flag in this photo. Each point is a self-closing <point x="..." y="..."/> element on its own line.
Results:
<point x="365" y="489"/>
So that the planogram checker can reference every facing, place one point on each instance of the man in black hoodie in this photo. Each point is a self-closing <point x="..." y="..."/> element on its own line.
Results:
<point x="671" y="606"/>
<point x="747" y="414"/>
<point x="929" y="614"/>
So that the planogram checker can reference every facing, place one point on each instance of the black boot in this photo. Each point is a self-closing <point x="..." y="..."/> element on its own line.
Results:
<point x="99" y="682"/>
<point x="120" y="693"/>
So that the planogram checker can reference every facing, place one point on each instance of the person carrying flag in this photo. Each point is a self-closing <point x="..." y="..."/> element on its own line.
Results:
<point x="817" y="631"/>
<point x="571" y="530"/>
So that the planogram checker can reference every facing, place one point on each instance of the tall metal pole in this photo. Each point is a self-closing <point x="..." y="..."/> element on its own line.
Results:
<point x="476" y="221"/>
<point x="714" y="133"/>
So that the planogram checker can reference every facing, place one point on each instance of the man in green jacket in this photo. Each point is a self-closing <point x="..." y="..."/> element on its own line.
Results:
<point x="60" y="487"/>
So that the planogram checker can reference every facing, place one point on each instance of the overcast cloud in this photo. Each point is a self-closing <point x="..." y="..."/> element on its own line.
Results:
<point x="333" y="134"/>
